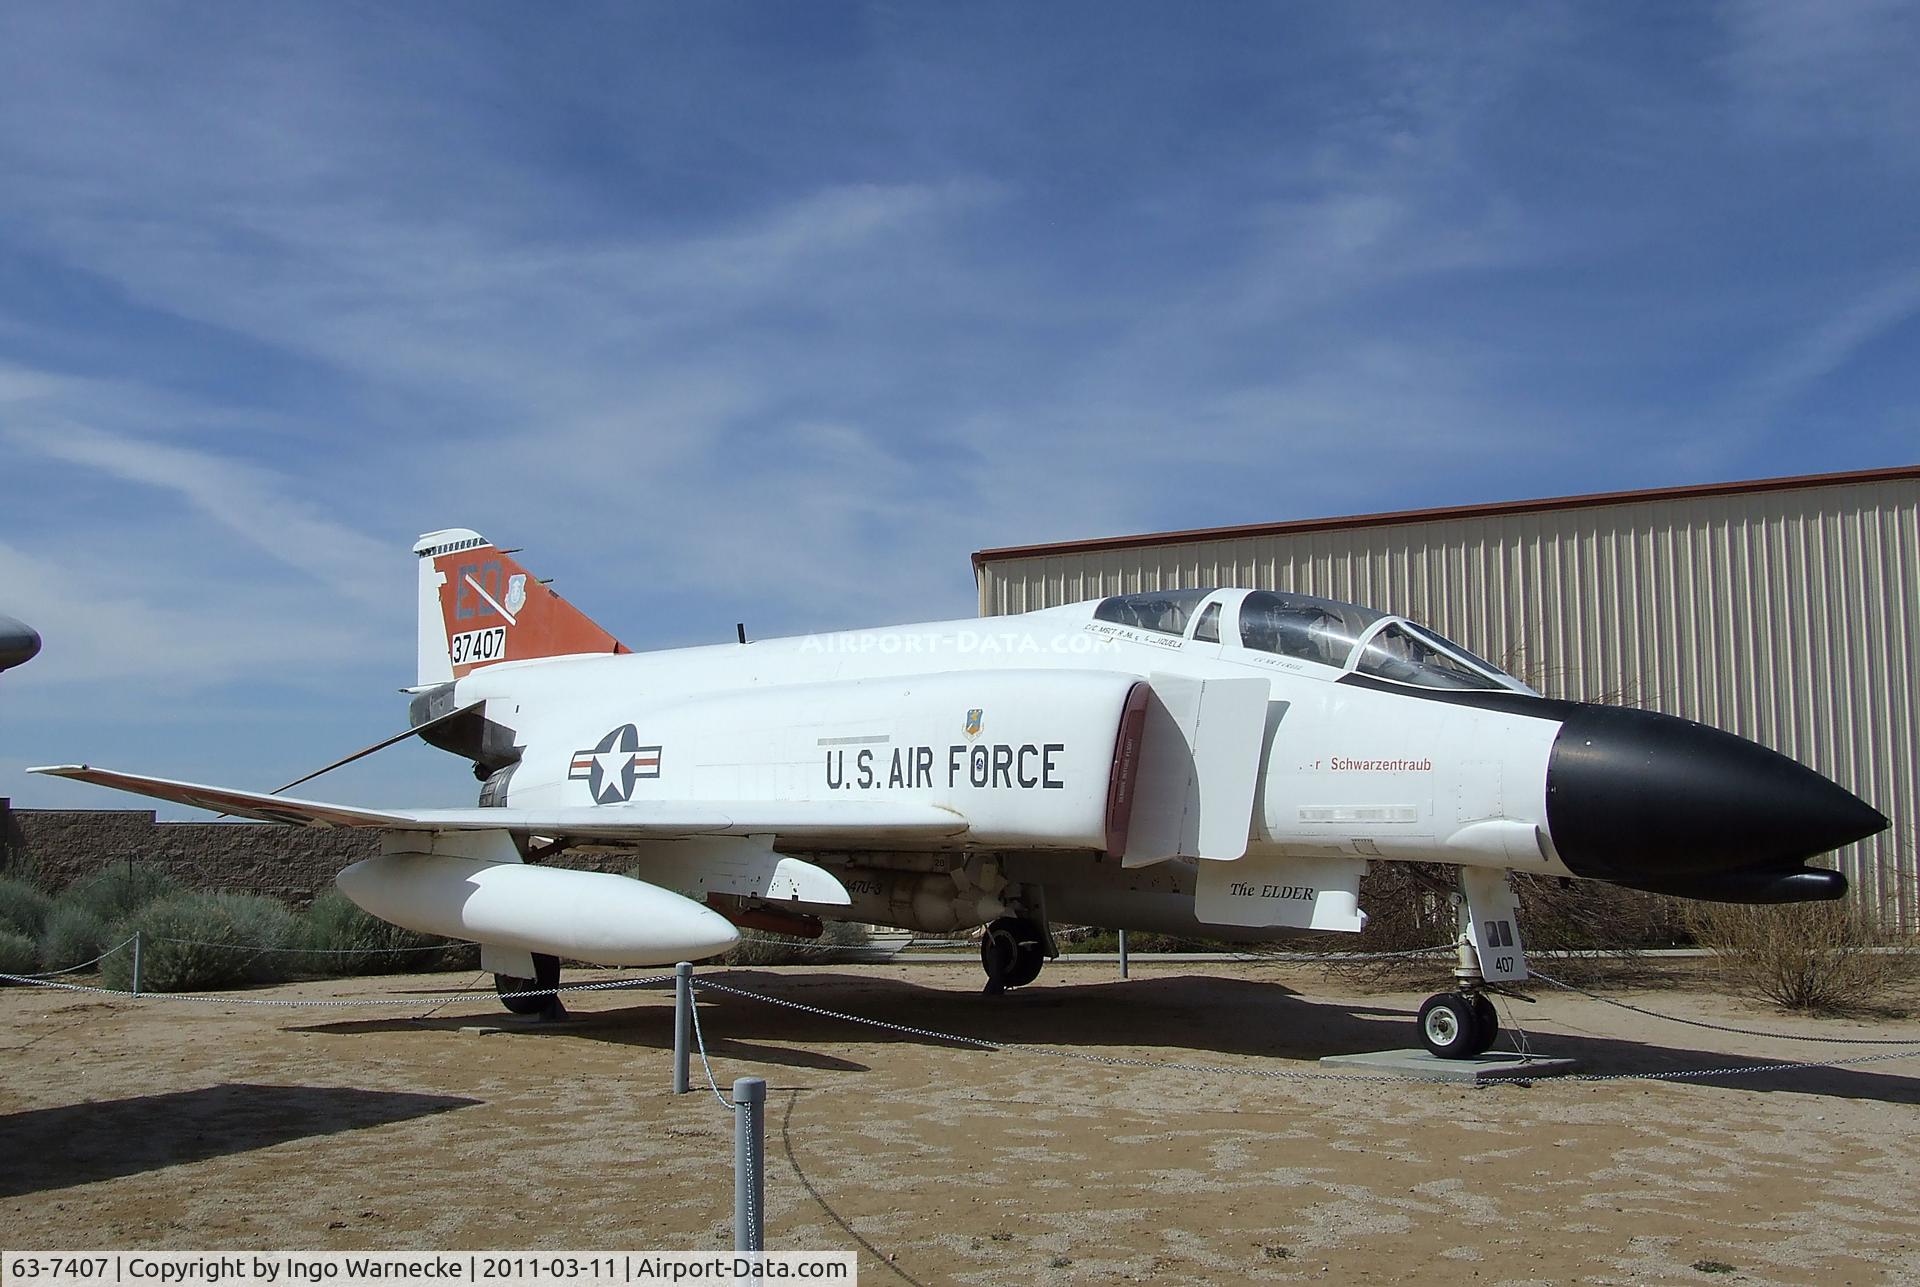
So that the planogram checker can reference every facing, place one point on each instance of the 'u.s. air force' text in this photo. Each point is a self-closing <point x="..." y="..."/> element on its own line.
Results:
<point x="984" y="765"/>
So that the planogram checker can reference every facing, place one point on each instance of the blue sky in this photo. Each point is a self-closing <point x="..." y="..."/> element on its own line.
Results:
<point x="778" y="311"/>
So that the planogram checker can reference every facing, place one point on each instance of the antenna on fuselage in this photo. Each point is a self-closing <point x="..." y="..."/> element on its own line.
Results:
<point x="740" y="628"/>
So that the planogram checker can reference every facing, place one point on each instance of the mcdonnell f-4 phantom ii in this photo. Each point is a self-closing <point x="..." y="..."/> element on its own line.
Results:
<point x="1221" y="763"/>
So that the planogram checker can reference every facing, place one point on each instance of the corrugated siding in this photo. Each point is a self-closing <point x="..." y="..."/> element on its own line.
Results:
<point x="1790" y="617"/>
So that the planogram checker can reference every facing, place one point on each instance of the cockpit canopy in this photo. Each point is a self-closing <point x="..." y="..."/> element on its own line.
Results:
<point x="1326" y="632"/>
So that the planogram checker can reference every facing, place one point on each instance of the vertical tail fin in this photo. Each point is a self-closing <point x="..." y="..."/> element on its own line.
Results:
<point x="478" y="606"/>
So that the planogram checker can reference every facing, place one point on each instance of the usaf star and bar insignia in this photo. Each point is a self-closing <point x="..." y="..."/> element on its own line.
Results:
<point x="611" y="767"/>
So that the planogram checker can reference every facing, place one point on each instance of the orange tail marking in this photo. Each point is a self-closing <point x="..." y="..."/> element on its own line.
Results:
<point x="495" y="611"/>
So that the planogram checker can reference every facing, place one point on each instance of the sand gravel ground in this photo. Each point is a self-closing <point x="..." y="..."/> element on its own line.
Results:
<point x="166" y="1125"/>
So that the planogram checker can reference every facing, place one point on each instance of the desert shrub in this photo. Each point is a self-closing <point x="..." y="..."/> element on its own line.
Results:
<point x="1803" y="956"/>
<point x="117" y="892"/>
<point x="23" y="907"/>
<point x="73" y="936"/>
<point x="1410" y="906"/>
<point x="17" y="954"/>
<point x="1558" y="915"/>
<point x="461" y="956"/>
<point x="195" y="941"/>
<point x="342" y="939"/>
<point x="759" y="947"/>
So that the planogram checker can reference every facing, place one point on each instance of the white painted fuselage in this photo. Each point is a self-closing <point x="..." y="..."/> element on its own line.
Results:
<point x="1012" y="724"/>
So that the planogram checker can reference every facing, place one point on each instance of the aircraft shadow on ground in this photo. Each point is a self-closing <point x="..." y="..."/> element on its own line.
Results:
<point x="635" y="1026"/>
<point x="1179" y="1017"/>
<point x="54" y="1148"/>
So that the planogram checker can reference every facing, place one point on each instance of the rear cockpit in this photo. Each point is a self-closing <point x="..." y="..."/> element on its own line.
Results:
<point x="1342" y="637"/>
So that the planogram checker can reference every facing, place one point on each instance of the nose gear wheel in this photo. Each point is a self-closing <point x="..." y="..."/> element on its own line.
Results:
<point x="1454" y="1025"/>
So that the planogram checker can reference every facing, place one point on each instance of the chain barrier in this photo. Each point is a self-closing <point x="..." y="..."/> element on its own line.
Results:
<point x="1721" y="1027"/>
<point x="334" y="1003"/>
<point x="73" y="969"/>
<point x="984" y="1043"/>
<point x="1906" y="1048"/>
<point x="700" y="1042"/>
<point x="1336" y="958"/>
<point x="1290" y="1074"/>
<point x="308" y="951"/>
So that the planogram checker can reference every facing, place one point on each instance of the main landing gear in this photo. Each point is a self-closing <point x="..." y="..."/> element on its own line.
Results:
<point x="1012" y="950"/>
<point x="546" y="971"/>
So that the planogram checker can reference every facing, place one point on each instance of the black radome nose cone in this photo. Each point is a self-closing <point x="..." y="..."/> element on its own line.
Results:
<point x="18" y="642"/>
<point x="1650" y="800"/>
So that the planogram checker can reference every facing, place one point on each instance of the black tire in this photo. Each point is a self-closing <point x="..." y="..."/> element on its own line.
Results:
<point x="546" y="970"/>
<point x="1032" y="955"/>
<point x="1489" y="1019"/>
<point x="1450" y="1026"/>
<point x="1012" y="950"/>
<point x="1000" y="953"/>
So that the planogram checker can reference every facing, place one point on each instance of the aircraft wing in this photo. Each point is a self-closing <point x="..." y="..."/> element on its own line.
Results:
<point x="857" y="821"/>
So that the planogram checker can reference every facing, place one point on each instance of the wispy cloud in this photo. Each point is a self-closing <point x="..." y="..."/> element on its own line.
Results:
<point x="1840" y="71"/>
<point x="253" y="503"/>
<point x="120" y="625"/>
<point x="722" y="322"/>
<point x="1829" y="340"/>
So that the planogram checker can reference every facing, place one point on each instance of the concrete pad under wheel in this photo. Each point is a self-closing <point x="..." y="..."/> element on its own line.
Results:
<point x="1424" y="1066"/>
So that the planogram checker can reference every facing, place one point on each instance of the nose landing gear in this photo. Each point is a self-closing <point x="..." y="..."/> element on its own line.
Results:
<point x="1463" y="1023"/>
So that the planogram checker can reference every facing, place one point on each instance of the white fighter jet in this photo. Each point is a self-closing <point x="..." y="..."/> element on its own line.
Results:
<point x="1221" y="763"/>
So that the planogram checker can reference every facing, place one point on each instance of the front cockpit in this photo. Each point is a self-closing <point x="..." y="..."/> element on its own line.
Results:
<point x="1342" y="637"/>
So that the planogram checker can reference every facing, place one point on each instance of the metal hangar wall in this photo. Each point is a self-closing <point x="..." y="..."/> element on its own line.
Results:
<point x="1784" y="609"/>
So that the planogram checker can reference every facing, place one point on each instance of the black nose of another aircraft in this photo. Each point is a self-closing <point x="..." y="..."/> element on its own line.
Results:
<point x="18" y="642"/>
<point x="1665" y="804"/>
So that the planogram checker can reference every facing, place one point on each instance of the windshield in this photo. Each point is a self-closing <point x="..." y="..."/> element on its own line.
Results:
<point x="1300" y="625"/>
<point x="1404" y="652"/>
<point x="1163" y="611"/>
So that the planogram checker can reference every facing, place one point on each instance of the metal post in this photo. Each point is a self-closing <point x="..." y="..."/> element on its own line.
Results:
<point x="1123" y="954"/>
<point x="136" y="963"/>
<point x="682" y="1024"/>
<point x="749" y="1162"/>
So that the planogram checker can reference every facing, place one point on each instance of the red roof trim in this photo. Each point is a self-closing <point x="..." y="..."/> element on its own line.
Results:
<point x="1592" y="500"/>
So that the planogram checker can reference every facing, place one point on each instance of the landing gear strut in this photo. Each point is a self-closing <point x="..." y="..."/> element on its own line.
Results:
<point x="1012" y="950"/>
<point x="546" y="971"/>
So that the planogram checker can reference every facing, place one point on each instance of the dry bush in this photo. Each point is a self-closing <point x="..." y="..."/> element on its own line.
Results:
<point x="762" y="947"/>
<point x="73" y="936"/>
<point x="17" y="955"/>
<point x="23" y="907"/>
<point x="1821" y="957"/>
<point x="196" y="941"/>
<point x="1605" y="927"/>
<point x="341" y="940"/>
<point x="1078" y="939"/>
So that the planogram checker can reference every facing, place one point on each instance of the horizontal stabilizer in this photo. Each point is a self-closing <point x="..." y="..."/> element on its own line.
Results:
<point x="857" y="821"/>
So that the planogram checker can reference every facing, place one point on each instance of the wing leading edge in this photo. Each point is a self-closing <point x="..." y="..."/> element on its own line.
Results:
<point x="858" y="821"/>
